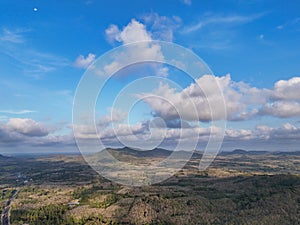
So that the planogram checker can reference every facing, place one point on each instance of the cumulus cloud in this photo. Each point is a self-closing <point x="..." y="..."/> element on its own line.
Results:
<point x="27" y="127"/>
<point x="113" y="129"/>
<point x="113" y="33"/>
<point x="242" y="101"/>
<point x="135" y="31"/>
<point x="103" y="125"/>
<point x="284" y="101"/>
<point x="176" y="115"/>
<point x="281" y="109"/>
<point x="263" y="132"/>
<point x="287" y="89"/>
<point x="146" y="136"/>
<point x="33" y="133"/>
<point x="286" y="131"/>
<point x="241" y="134"/>
<point x="84" y="62"/>
<point x="159" y="28"/>
<point x="17" y="130"/>
<point x="168" y="134"/>
<point x="114" y="116"/>
<point x="28" y="133"/>
<point x="201" y="100"/>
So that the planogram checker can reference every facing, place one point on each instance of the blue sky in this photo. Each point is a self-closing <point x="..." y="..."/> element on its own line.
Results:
<point x="251" y="46"/>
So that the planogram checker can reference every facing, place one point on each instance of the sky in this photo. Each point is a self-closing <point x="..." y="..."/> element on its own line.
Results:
<point x="251" y="47"/>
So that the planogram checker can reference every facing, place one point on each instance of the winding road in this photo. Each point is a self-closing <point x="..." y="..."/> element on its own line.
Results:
<point x="5" y="216"/>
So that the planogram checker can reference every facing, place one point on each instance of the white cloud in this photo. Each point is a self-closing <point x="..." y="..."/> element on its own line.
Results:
<point x="220" y="20"/>
<point x="242" y="101"/>
<point x="37" y="63"/>
<point x="113" y="33"/>
<point x="113" y="130"/>
<point x="28" y="133"/>
<point x="241" y="134"/>
<point x="18" y="112"/>
<point x="143" y="135"/>
<point x="133" y="32"/>
<point x="289" y="24"/>
<point x="130" y="54"/>
<point x="32" y="62"/>
<point x="103" y="124"/>
<point x="217" y="32"/>
<point x="26" y="127"/>
<point x="124" y="130"/>
<point x="162" y="27"/>
<point x="114" y="116"/>
<point x="163" y="71"/>
<point x="10" y="36"/>
<point x="139" y="135"/>
<point x="284" y="100"/>
<point x="194" y="102"/>
<point x="151" y="27"/>
<point x="82" y="62"/>
<point x="265" y="133"/>
<point x="287" y="89"/>
<point x="282" y="109"/>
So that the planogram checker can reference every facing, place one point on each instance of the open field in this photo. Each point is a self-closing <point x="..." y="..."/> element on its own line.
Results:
<point x="238" y="188"/>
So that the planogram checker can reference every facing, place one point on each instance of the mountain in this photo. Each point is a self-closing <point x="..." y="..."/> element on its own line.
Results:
<point x="3" y="157"/>
<point x="154" y="153"/>
<point x="253" y="152"/>
<point x="234" y="152"/>
<point x="244" y="152"/>
<point x="137" y="153"/>
<point x="127" y="153"/>
<point x="297" y="153"/>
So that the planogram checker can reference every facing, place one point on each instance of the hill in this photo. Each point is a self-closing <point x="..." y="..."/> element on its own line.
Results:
<point x="155" y="153"/>
<point x="127" y="152"/>
<point x="3" y="157"/>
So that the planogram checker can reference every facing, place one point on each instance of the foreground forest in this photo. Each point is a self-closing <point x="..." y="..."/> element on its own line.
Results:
<point x="239" y="188"/>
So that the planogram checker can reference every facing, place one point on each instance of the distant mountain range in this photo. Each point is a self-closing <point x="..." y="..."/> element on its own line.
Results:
<point x="163" y="153"/>
<point x="253" y="152"/>
<point x="243" y="152"/>
<point x="127" y="152"/>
